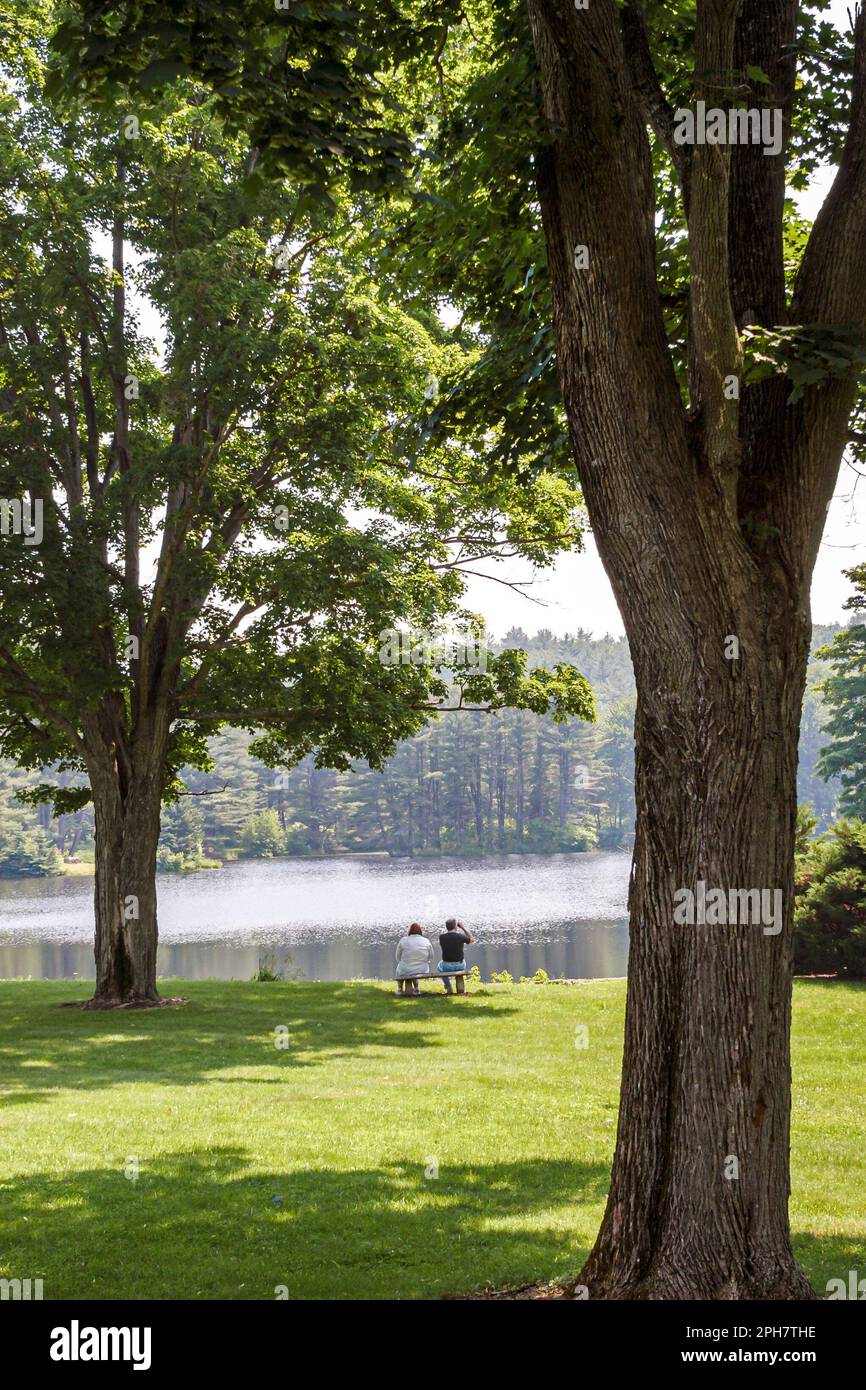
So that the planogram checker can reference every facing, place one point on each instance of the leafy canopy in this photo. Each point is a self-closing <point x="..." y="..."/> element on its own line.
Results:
<point x="211" y="397"/>
<point x="438" y="104"/>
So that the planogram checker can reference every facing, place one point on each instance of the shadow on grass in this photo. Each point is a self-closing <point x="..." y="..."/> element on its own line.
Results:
<point x="44" y="1046"/>
<point x="201" y="1225"/>
<point x="830" y="1257"/>
<point x="198" y="1225"/>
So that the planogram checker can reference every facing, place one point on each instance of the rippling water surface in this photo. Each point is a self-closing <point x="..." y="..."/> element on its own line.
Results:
<point x="334" y="919"/>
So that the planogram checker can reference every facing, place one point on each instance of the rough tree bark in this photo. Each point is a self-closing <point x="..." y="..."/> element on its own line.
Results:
<point x="127" y="795"/>
<point x="707" y="518"/>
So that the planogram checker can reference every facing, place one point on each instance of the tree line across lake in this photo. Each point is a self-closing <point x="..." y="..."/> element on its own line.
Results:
<point x="469" y="783"/>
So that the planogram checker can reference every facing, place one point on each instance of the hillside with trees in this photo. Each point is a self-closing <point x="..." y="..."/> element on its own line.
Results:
<point x="468" y="783"/>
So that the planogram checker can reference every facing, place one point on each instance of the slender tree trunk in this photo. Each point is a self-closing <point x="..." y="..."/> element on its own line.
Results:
<point x="392" y="801"/>
<point x="383" y="829"/>
<point x="77" y="832"/>
<point x="537" y="800"/>
<point x="459" y="783"/>
<point x="501" y="791"/>
<point x="519" y="790"/>
<point x="564" y="784"/>
<point x="422" y="799"/>
<point x="435" y="799"/>
<point x="476" y="789"/>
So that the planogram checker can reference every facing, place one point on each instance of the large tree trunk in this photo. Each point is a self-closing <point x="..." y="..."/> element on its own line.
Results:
<point x="698" y="1204"/>
<point x="125" y="902"/>
<point x="708" y="518"/>
<point x="127" y="796"/>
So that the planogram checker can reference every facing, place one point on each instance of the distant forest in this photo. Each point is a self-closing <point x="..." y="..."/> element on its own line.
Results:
<point x="470" y="783"/>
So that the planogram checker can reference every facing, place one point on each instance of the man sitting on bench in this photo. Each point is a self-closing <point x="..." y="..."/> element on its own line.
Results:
<point x="453" y="942"/>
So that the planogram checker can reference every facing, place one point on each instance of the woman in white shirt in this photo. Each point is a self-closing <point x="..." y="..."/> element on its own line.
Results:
<point x="414" y="958"/>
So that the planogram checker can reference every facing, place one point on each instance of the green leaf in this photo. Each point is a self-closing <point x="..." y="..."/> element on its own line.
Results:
<point x="155" y="74"/>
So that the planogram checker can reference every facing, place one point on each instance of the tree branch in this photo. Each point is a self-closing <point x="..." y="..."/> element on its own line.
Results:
<point x="193" y="685"/>
<point x="765" y="34"/>
<point x="518" y="585"/>
<point x="714" y="330"/>
<point x="215" y="791"/>
<point x="657" y="109"/>
<point x="243" y="717"/>
<point x="42" y="700"/>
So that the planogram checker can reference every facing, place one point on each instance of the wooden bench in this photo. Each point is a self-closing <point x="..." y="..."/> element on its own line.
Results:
<point x="434" y="975"/>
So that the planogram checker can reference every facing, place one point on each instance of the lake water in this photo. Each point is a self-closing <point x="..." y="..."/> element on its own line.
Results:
<point x="339" y="919"/>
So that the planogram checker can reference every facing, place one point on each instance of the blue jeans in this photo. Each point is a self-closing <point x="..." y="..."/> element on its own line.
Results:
<point x="450" y="967"/>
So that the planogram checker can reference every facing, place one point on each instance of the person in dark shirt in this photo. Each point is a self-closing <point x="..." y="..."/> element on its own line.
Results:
<point x="453" y="942"/>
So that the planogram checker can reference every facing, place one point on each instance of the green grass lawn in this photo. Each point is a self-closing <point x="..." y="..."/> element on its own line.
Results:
<point x="313" y="1166"/>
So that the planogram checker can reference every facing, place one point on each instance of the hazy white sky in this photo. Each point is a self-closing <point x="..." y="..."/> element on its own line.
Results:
<point x="576" y="591"/>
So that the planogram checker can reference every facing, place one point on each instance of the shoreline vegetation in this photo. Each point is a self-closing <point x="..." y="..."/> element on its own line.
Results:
<point x="85" y="868"/>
